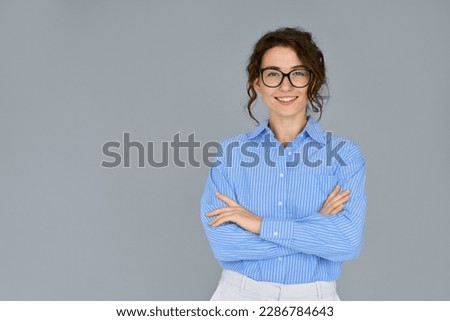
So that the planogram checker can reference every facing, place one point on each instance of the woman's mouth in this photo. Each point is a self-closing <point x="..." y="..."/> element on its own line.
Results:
<point x="286" y="100"/>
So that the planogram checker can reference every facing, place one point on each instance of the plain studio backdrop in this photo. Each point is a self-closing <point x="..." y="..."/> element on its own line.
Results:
<point x="77" y="74"/>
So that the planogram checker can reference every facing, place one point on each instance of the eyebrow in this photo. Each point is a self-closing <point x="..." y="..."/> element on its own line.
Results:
<point x="278" y="68"/>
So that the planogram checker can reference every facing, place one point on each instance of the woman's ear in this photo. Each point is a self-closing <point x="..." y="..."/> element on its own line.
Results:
<point x="256" y="85"/>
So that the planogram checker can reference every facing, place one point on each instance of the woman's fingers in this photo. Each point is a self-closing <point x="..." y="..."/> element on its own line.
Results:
<point x="334" y="192"/>
<point x="219" y="211"/>
<point x="223" y="218"/>
<point x="333" y="208"/>
<point x="226" y="199"/>
<point x="337" y="209"/>
<point x="339" y="199"/>
<point x="335" y="202"/>
<point x="238" y="215"/>
<point x="224" y="214"/>
<point x="224" y="210"/>
<point x="339" y="202"/>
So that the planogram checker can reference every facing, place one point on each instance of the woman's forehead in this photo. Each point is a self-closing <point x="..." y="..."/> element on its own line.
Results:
<point x="281" y="57"/>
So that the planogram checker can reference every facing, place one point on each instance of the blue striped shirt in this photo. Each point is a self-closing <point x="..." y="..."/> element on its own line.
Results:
<point x="287" y="188"/>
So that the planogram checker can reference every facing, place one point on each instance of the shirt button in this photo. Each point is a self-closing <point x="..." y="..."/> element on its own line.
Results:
<point x="281" y="174"/>
<point x="280" y="203"/>
<point x="275" y="233"/>
<point x="280" y="258"/>
<point x="289" y="153"/>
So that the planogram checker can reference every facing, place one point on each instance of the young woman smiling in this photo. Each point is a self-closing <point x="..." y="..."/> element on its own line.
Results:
<point x="282" y="226"/>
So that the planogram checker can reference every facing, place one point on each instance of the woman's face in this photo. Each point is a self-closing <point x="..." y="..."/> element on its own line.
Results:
<point x="284" y="101"/>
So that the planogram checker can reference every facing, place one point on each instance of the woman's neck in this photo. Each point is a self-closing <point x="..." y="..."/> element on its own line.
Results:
<point x="286" y="129"/>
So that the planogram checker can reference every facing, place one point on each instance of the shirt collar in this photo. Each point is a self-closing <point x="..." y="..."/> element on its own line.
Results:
<point x="315" y="131"/>
<point x="312" y="128"/>
<point x="262" y="127"/>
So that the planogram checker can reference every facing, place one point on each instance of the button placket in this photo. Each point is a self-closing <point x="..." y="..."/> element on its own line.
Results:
<point x="281" y="172"/>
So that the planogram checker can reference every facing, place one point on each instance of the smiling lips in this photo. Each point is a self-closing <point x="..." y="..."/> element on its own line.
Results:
<point x="286" y="100"/>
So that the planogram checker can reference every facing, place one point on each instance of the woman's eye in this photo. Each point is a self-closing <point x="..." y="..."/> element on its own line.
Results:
<point x="299" y="73"/>
<point x="273" y="74"/>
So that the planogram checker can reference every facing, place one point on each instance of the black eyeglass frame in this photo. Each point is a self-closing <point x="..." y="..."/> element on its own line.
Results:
<point x="288" y="75"/>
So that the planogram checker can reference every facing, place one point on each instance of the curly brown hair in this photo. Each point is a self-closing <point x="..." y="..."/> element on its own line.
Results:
<point x="311" y="56"/>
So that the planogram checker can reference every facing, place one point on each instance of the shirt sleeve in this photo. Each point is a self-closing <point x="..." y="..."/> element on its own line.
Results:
<point x="230" y="242"/>
<point x="336" y="237"/>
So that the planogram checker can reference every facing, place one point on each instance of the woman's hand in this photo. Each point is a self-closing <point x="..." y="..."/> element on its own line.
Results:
<point x="235" y="213"/>
<point x="335" y="202"/>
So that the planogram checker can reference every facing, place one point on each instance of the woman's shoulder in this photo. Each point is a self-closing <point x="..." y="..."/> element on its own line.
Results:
<point x="333" y="143"/>
<point x="348" y="144"/>
<point x="231" y="148"/>
<point x="345" y="149"/>
<point x="235" y="140"/>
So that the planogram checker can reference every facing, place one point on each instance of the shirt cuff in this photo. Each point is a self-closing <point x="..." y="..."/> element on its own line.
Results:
<point x="277" y="231"/>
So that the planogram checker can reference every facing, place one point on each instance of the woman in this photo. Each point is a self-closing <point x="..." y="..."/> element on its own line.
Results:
<point x="284" y="205"/>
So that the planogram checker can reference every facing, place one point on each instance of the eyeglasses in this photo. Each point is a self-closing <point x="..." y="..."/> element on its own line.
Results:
<point x="298" y="78"/>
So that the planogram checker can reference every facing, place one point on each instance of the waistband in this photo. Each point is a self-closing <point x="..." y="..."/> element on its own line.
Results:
<point x="315" y="290"/>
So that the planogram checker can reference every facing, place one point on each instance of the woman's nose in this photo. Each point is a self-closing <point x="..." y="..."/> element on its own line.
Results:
<point x="285" y="84"/>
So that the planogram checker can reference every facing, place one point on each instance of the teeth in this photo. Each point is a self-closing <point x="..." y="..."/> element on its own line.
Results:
<point x="286" y="99"/>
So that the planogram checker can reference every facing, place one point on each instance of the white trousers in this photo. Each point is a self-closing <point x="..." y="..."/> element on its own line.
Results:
<point x="234" y="286"/>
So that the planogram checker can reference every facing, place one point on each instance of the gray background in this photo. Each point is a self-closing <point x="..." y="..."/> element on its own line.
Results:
<point x="76" y="74"/>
